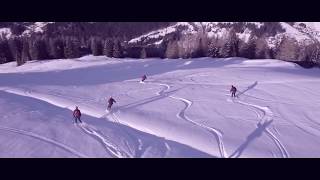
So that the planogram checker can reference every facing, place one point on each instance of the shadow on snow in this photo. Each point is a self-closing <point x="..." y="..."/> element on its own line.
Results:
<point x="129" y="134"/>
<point x="251" y="137"/>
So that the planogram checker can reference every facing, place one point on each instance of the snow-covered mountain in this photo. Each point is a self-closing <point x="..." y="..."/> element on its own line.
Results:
<point x="303" y="32"/>
<point x="25" y="29"/>
<point x="104" y="29"/>
<point x="183" y="109"/>
<point x="289" y="41"/>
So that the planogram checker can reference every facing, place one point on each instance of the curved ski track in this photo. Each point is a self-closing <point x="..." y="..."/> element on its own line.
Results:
<point x="181" y="115"/>
<point x="110" y="147"/>
<point x="88" y="129"/>
<point x="42" y="138"/>
<point x="267" y="116"/>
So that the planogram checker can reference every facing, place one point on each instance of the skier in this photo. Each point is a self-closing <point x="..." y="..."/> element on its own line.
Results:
<point x="77" y="115"/>
<point x="144" y="77"/>
<point x="110" y="102"/>
<point x="233" y="91"/>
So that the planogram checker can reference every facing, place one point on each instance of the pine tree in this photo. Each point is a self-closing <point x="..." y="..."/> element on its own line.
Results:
<point x="83" y="42"/>
<point x="185" y="46"/>
<point x="203" y="46"/>
<point x="234" y="43"/>
<point x="192" y="45"/>
<point x="213" y="49"/>
<point x="315" y="56"/>
<point x="226" y="50"/>
<point x="117" y="49"/>
<point x="248" y="50"/>
<point x="270" y="53"/>
<point x="230" y="47"/>
<point x="72" y="48"/>
<point x="143" y="53"/>
<point x="243" y="46"/>
<point x="261" y="48"/>
<point x="76" y="45"/>
<point x="25" y="53"/>
<point x="50" y="47"/>
<point x="161" y="50"/>
<point x="15" y="46"/>
<point x="172" y="51"/>
<point x="288" y="49"/>
<point x="44" y="54"/>
<point x="5" y="53"/>
<point x="96" y="46"/>
<point x="46" y="41"/>
<point x="308" y="55"/>
<point x="108" y="48"/>
<point x="215" y="52"/>
<point x="68" y="48"/>
<point x="38" y="49"/>
<point x="31" y="48"/>
<point x="303" y="54"/>
<point x="56" y="48"/>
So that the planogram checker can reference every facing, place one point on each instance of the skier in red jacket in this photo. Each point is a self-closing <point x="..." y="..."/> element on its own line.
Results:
<point x="77" y="115"/>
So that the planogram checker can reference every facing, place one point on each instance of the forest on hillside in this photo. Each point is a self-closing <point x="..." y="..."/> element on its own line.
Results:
<point x="73" y="40"/>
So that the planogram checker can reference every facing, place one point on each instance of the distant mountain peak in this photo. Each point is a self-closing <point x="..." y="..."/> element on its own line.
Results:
<point x="304" y="33"/>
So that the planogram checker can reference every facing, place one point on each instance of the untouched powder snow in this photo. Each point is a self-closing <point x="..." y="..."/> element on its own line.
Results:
<point x="183" y="109"/>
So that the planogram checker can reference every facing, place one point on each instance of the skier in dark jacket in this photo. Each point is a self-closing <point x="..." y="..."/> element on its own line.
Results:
<point x="77" y="115"/>
<point x="233" y="91"/>
<point x="144" y="77"/>
<point x="110" y="102"/>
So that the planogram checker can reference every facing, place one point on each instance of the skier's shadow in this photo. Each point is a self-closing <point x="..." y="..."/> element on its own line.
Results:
<point x="252" y="136"/>
<point x="147" y="100"/>
<point x="248" y="88"/>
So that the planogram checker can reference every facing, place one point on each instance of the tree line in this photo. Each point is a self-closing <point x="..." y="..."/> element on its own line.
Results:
<point x="22" y="49"/>
<point x="288" y="49"/>
<point x="123" y="30"/>
<point x="42" y="47"/>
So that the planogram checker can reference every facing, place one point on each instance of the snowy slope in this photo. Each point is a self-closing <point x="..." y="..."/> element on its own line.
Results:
<point x="184" y="108"/>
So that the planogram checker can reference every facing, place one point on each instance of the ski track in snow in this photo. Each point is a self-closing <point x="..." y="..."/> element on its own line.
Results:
<point x="88" y="129"/>
<point x="116" y="152"/>
<point x="140" y="150"/>
<point x="267" y="116"/>
<point x="110" y="147"/>
<point x="277" y="141"/>
<point x="45" y="139"/>
<point x="182" y="115"/>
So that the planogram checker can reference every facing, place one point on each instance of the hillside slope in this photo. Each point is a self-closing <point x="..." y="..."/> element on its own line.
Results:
<point x="184" y="108"/>
<point x="303" y="32"/>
